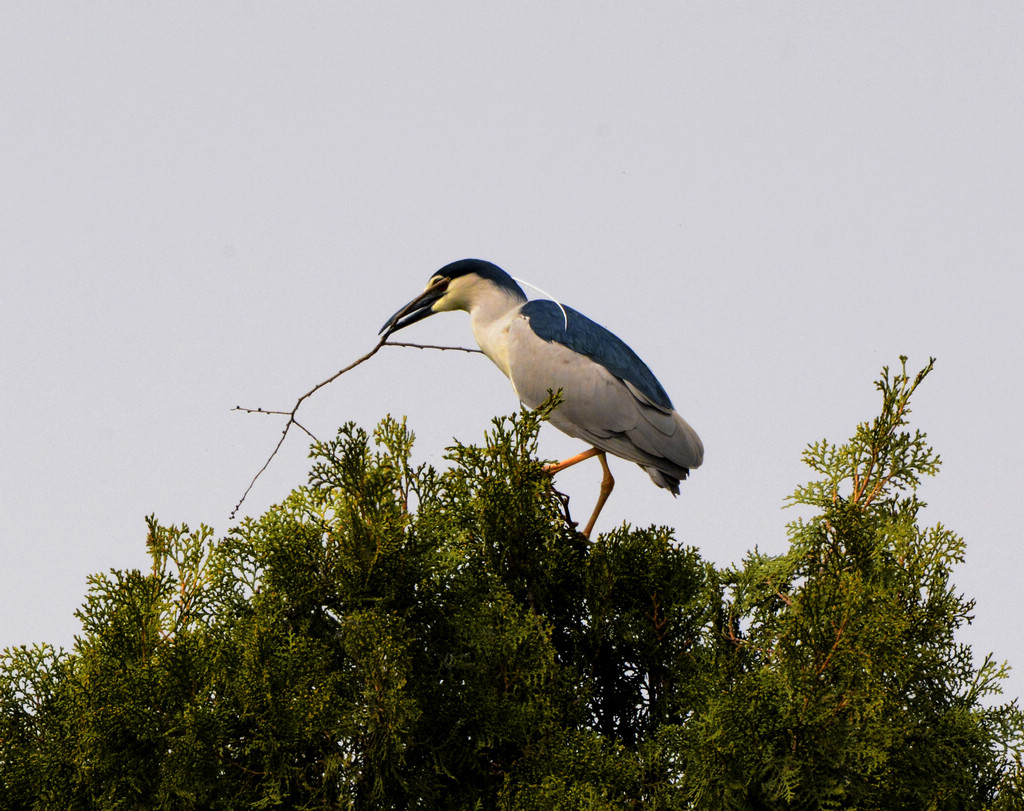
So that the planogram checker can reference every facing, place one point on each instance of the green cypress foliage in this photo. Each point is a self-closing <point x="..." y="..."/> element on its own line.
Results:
<point x="394" y="637"/>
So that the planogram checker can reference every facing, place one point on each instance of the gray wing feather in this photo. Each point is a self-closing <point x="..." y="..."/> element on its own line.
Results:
<point x="600" y="408"/>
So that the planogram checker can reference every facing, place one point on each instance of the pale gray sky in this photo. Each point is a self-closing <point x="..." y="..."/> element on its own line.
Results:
<point x="210" y="204"/>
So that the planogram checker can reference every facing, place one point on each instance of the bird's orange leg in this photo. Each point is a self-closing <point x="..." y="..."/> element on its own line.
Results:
<point x="607" y="482"/>
<point x="551" y="470"/>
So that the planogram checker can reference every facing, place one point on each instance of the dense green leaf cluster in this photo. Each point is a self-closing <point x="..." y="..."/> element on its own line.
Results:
<point x="394" y="637"/>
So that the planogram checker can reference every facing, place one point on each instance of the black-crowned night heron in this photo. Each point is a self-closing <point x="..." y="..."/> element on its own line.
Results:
<point x="610" y="399"/>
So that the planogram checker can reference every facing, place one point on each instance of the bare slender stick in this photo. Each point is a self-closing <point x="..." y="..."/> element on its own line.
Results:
<point x="291" y="414"/>
<point x="298" y="424"/>
<point x="442" y="348"/>
<point x="291" y="417"/>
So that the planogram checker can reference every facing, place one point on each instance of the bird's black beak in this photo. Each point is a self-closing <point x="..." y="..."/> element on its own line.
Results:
<point x="417" y="309"/>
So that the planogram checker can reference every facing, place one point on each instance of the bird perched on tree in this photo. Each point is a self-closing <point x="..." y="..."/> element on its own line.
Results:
<point x="610" y="399"/>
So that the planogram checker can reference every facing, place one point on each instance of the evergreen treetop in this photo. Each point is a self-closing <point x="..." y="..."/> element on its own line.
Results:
<point x="392" y="636"/>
